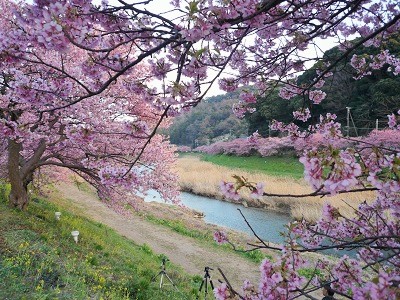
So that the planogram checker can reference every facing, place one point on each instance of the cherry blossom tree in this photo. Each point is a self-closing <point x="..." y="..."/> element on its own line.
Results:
<point x="110" y="139"/>
<point x="371" y="163"/>
<point x="64" y="62"/>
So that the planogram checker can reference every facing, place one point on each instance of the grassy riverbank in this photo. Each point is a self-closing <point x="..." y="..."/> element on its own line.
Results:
<point x="203" y="178"/>
<point x="205" y="235"/>
<point x="279" y="166"/>
<point x="39" y="260"/>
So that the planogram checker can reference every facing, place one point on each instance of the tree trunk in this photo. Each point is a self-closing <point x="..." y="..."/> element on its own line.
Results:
<point x="18" y="195"/>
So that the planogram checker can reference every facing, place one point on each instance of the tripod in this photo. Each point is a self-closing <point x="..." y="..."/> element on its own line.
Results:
<point x="163" y="273"/>
<point x="206" y="279"/>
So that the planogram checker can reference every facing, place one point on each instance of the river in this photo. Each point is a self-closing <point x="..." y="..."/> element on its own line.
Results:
<point x="267" y="224"/>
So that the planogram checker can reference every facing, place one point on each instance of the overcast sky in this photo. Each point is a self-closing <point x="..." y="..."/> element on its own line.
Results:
<point x="162" y="6"/>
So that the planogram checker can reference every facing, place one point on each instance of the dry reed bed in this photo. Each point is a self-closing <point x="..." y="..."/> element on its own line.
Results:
<point x="203" y="178"/>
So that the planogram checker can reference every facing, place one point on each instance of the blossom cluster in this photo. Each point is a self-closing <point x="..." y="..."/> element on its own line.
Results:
<point x="316" y="96"/>
<point x="335" y="165"/>
<point x="249" y="146"/>
<point x="73" y="71"/>
<point x="342" y="165"/>
<point x="393" y="120"/>
<point x="229" y="190"/>
<point x="220" y="237"/>
<point x="302" y="115"/>
<point x="364" y="65"/>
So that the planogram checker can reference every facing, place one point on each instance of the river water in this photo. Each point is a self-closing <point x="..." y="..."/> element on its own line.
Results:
<point x="267" y="224"/>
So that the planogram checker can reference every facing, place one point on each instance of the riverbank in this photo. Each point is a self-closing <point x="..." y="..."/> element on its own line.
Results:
<point x="203" y="178"/>
<point x="40" y="260"/>
<point x="191" y="253"/>
<point x="188" y="252"/>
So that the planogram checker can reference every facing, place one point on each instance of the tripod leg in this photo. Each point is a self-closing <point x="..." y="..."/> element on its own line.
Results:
<point x="212" y="285"/>
<point x="161" y="280"/>
<point x="206" y="289"/>
<point x="155" y="276"/>
<point x="170" y="280"/>
<point x="201" y="285"/>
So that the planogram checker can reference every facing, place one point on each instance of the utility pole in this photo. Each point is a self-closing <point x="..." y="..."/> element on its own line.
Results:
<point x="348" y="120"/>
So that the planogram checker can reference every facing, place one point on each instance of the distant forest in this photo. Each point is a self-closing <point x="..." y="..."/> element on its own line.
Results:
<point x="370" y="98"/>
<point x="208" y="122"/>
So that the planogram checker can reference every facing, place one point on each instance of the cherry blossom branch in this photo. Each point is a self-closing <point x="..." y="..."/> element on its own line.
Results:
<point x="164" y="115"/>
<point x="231" y="289"/>
<point x="252" y="230"/>
<point x="356" y="45"/>
<point x="317" y="193"/>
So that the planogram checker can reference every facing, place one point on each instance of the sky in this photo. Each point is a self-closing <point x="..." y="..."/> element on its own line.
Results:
<point x="160" y="6"/>
<point x="165" y="6"/>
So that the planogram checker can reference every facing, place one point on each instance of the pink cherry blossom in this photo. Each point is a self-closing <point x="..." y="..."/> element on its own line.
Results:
<point x="229" y="191"/>
<point x="221" y="292"/>
<point x="220" y="237"/>
<point x="317" y="96"/>
<point x="258" y="191"/>
<point x="87" y="87"/>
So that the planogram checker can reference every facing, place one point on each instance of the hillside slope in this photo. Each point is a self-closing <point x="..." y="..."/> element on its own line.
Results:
<point x="187" y="252"/>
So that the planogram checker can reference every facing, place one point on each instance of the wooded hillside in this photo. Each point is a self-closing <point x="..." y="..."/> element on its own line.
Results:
<point x="208" y="121"/>
<point x="370" y="98"/>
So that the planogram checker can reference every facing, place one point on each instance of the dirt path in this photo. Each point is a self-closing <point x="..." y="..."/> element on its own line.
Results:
<point x="181" y="250"/>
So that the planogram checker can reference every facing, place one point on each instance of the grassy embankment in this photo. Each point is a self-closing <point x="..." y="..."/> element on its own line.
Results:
<point x="277" y="166"/>
<point x="202" y="174"/>
<point x="179" y="220"/>
<point x="206" y="237"/>
<point x="39" y="260"/>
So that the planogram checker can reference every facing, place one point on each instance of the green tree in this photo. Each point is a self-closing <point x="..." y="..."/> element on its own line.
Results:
<point x="207" y="121"/>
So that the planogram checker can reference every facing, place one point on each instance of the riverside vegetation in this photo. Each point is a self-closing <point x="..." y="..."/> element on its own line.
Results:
<point x="39" y="260"/>
<point x="202" y="174"/>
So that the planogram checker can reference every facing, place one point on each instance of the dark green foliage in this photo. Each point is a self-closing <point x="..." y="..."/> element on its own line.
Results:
<point x="208" y="120"/>
<point x="371" y="98"/>
<point x="271" y="107"/>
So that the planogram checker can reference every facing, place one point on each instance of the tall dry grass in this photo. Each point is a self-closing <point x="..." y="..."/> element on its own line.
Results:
<point x="203" y="178"/>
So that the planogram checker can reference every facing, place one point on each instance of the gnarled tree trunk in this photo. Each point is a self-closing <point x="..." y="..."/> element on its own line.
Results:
<point x="21" y="170"/>
<point x="18" y="195"/>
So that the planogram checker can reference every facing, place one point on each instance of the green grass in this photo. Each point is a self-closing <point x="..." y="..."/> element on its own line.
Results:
<point x="272" y="165"/>
<point x="310" y="273"/>
<point x="206" y="237"/>
<point x="179" y="227"/>
<point x="39" y="260"/>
